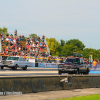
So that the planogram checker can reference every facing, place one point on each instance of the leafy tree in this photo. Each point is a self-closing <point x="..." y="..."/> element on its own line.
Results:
<point x="62" y="42"/>
<point x="68" y="50"/>
<point x="77" y="43"/>
<point x="3" y="31"/>
<point x="86" y="53"/>
<point x="53" y="46"/>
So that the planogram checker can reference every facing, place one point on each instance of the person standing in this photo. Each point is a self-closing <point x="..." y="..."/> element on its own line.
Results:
<point x="94" y="64"/>
<point x="15" y="32"/>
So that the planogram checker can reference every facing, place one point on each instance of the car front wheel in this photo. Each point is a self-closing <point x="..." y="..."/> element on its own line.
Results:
<point x="15" y="68"/>
<point x="59" y="72"/>
<point x="77" y="71"/>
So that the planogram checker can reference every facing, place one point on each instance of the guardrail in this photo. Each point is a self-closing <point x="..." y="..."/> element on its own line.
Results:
<point x="33" y="84"/>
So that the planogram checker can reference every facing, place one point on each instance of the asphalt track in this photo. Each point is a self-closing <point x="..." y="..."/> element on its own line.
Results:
<point x="38" y="71"/>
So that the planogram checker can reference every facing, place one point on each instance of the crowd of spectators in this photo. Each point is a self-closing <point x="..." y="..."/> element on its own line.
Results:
<point x="33" y="46"/>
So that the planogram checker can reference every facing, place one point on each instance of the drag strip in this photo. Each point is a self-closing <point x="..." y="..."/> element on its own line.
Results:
<point x="37" y="71"/>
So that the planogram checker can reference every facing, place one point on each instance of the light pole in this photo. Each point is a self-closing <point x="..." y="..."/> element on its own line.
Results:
<point x="91" y="59"/>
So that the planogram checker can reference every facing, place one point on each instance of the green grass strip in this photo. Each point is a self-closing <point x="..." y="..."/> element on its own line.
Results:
<point x="89" y="97"/>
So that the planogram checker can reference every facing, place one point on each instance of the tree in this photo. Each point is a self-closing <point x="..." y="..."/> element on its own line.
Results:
<point x="68" y="50"/>
<point x="62" y="42"/>
<point x="77" y="43"/>
<point x="3" y="31"/>
<point x="53" y="46"/>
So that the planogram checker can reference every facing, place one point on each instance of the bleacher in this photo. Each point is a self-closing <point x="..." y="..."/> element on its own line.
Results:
<point x="23" y="43"/>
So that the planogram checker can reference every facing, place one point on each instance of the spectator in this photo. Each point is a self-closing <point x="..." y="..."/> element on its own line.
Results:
<point x="28" y="40"/>
<point x="19" y="49"/>
<point x="43" y="38"/>
<point x="34" y="45"/>
<point x="2" y="38"/>
<point x="11" y="36"/>
<point x="16" y="50"/>
<point x="23" y="38"/>
<point x="24" y="49"/>
<point x="39" y="39"/>
<point x="7" y="43"/>
<point x="94" y="64"/>
<point x="35" y="38"/>
<point x="15" y="32"/>
<point x="31" y="40"/>
<point x="19" y="38"/>
<point x="7" y="38"/>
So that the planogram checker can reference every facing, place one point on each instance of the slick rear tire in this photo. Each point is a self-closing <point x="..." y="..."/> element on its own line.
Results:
<point x="2" y="67"/>
<point x="25" y="68"/>
<point x="87" y="71"/>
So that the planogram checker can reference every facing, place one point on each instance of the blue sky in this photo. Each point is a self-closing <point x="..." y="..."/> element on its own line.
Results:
<point x="60" y="19"/>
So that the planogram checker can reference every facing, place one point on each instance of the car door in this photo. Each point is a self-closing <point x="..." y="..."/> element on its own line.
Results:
<point x="22" y="62"/>
<point x="82" y="67"/>
<point x="18" y="62"/>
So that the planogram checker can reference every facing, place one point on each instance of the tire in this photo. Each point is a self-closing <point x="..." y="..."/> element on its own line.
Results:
<point x="87" y="71"/>
<point x="2" y="67"/>
<point x="25" y="68"/>
<point x="15" y="68"/>
<point x="77" y="71"/>
<point x="69" y="72"/>
<point x="59" y="72"/>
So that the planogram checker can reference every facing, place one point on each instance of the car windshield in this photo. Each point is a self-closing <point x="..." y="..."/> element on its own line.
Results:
<point x="76" y="60"/>
<point x="13" y="58"/>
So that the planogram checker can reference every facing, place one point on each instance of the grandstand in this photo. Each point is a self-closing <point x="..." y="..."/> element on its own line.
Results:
<point x="19" y="46"/>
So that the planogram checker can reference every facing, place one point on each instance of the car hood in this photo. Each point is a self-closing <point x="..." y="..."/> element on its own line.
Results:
<point x="67" y="63"/>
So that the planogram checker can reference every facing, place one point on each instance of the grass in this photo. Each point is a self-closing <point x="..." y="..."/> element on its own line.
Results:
<point x="89" y="97"/>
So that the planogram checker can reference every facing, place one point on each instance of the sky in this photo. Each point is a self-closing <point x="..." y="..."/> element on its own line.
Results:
<point x="59" y="19"/>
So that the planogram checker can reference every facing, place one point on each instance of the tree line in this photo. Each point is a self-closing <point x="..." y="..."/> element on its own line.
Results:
<point x="66" y="48"/>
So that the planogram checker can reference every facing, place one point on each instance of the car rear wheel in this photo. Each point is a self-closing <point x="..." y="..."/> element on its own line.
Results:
<point x="25" y="68"/>
<point x="87" y="71"/>
<point x="1" y="67"/>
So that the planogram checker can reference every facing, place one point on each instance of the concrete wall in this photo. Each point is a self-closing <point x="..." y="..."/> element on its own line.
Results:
<point x="34" y="84"/>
